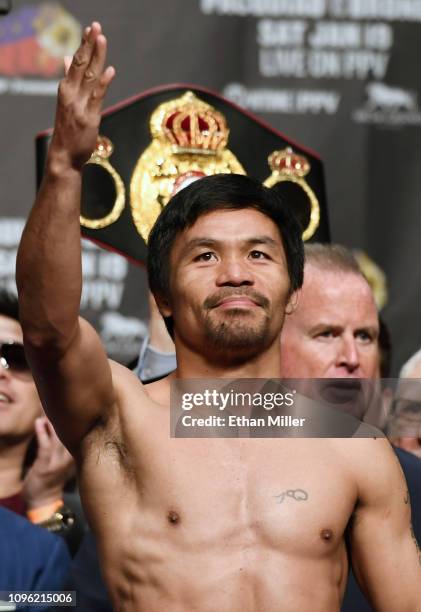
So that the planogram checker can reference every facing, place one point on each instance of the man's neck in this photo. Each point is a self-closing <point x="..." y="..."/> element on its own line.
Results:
<point x="11" y="463"/>
<point x="190" y="364"/>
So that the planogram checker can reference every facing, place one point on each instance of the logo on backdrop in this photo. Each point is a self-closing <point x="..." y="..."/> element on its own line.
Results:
<point x="116" y="326"/>
<point x="389" y="105"/>
<point x="104" y="279"/>
<point x="33" y="43"/>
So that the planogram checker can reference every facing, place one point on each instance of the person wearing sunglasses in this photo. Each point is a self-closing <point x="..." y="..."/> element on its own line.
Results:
<point x="20" y="406"/>
<point x="34" y="464"/>
<point x="13" y="357"/>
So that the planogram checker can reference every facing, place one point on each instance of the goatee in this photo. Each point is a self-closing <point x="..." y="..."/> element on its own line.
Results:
<point x="239" y="330"/>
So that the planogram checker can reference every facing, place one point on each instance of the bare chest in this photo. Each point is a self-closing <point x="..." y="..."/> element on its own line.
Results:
<point x="287" y="495"/>
<point x="262" y="490"/>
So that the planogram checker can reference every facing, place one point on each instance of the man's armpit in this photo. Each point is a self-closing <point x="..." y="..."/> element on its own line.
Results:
<point x="104" y="444"/>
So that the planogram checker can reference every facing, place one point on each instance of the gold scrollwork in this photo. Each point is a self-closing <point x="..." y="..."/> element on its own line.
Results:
<point x="103" y="150"/>
<point x="289" y="166"/>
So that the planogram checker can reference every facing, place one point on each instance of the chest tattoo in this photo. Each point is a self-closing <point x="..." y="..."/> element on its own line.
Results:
<point x="297" y="494"/>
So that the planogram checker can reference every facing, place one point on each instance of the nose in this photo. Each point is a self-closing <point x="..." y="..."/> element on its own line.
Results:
<point x="348" y="355"/>
<point x="234" y="272"/>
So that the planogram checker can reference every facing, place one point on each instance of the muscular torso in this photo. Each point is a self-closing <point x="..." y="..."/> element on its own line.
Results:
<point x="207" y="525"/>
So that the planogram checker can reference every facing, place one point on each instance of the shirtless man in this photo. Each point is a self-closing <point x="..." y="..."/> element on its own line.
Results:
<point x="200" y="524"/>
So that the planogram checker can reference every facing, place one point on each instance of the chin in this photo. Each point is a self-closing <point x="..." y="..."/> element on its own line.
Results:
<point x="238" y="336"/>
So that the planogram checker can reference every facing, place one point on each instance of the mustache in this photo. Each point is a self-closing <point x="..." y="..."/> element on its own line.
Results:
<point x="213" y="300"/>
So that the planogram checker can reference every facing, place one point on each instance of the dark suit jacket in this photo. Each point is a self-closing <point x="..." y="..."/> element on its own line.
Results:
<point x="31" y="558"/>
<point x="354" y="600"/>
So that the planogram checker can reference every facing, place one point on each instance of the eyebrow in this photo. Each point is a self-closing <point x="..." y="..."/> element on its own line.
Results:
<point x="263" y="240"/>
<point x="371" y="329"/>
<point x="212" y="242"/>
<point x="315" y="329"/>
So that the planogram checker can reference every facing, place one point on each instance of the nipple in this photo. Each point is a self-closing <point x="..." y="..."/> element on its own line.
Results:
<point x="326" y="535"/>
<point x="173" y="517"/>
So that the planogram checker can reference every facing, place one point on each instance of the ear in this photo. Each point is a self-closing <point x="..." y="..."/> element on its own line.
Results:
<point x="163" y="305"/>
<point x="292" y="302"/>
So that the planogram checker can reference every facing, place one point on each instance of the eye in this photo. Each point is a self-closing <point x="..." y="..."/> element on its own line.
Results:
<point x="364" y="336"/>
<point x="325" y="333"/>
<point x="208" y="256"/>
<point x="258" y="255"/>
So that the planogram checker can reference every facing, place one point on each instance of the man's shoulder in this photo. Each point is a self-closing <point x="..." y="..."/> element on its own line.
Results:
<point x="369" y="432"/>
<point x="120" y="371"/>
<point x="131" y="393"/>
<point x="364" y="455"/>
<point x="125" y="382"/>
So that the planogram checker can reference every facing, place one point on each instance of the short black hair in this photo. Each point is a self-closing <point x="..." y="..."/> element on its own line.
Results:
<point x="221" y="192"/>
<point x="9" y="305"/>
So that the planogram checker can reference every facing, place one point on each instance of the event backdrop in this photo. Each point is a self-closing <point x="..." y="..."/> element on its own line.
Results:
<point x="340" y="76"/>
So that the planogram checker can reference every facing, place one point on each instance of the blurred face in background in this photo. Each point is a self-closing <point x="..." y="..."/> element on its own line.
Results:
<point x="333" y="332"/>
<point x="19" y="401"/>
<point x="405" y="423"/>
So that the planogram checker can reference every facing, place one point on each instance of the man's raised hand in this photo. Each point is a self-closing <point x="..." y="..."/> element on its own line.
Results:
<point x="80" y="98"/>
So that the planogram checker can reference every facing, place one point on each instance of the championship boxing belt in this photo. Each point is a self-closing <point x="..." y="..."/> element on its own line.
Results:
<point x="156" y="143"/>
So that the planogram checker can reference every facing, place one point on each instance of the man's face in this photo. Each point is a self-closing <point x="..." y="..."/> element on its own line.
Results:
<point x="229" y="283"/>
<point x="19" y="401"/>
<point x="333" y="332"/>
<point x="405" y="426"/>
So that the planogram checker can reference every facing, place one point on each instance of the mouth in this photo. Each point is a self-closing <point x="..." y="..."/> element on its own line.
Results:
<point x="341" y="390"/>
<point x="4" y="398"/>
<point x="237" y="301"/>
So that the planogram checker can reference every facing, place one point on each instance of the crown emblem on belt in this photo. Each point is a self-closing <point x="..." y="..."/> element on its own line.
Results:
<point x="190" y="125"/>
<point x="287" y="165"/>
<point x="189" y="141"/>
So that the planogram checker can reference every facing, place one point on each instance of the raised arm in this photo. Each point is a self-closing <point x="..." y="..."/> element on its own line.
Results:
<point x="385" y="555"/>
<point x="67" y="359"/>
